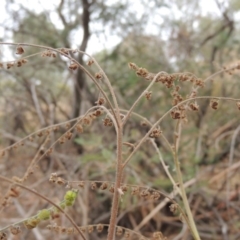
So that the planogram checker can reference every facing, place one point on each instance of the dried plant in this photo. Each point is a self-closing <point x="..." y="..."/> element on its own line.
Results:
<point x="107" y="109"/>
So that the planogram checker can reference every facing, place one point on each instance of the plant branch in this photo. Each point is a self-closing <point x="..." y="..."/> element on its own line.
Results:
<point x="118" y="180"/>
<point x="193" y="227"/>
<point x="164" y="115"/>
<point x="46" y="199"/>
<point x="141" y="95"/>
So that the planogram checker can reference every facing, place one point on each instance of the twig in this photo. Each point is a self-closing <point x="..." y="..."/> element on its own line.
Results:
<point x="37" y="105"/>
<point x="46" y="199"/>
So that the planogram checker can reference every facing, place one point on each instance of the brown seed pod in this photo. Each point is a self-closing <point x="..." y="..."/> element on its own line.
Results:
<point x="70" y="230"/>
<point x="111" y="189"/>
<point x="81" y="184"/>
<point x="100" y="101"/>
<point x="124" y="188"/>
<point x="90" y="62"/>
<point x="143" y="123"/>
<point x="73" y="66"/>
<point x="104" y="186"/>
<point x="133" y="66"/>
<point x="100" y="227"/>
<point x="61" y="140"/>
<point x="10" y="65"/>
<point x="3" y="236"/>
<point x="87" y="120"/>
<point x="55" y="215"/>
<point x="148" y="95"/>
<point x="65" y="51"/>
<point x="155" y="195"/>
<point x="19" y="63"/>
<point x="214" y="104"/>
<point x="15" y="229"/>
<point x="176" y="114"/>
<point x="63" y="229"/>
<point x="20" y="50"/>
<point x="93" y="185"/>
<point x="14" y="192"/>
<point x="199" y="82"/>
<point x="135" y="190"/>
<point x="56" y="128"/>
<point x="79" y="128"/>
<point x="155" y="133"/>
<point x="60" y="181"/>
<point x="145" y="193"/>
<point x="127" y="235"/>
<point x="119" y="231"/>
<point x="68" y="135"/>
<point x="49" y="151"/>
<point x="98" y="112"/>
<point x="53" y="177"/>
<point x="83" y="229"/>
<point x="24" y="61"/>
<point x="173" y="207"/>
<point x="142" y="72"/>
<point x="67" y="125"/>
<point x="98" y="76"/>
<point x="90" y="228"/>
<point x="107" y="122"/>
<point x="40" y="134"/>
<point x="194" y="106"/>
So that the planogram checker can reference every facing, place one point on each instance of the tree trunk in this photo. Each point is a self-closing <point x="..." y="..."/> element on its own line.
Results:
<point x="80" y="76"/>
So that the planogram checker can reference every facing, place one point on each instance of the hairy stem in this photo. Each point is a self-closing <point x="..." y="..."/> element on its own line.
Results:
<point x="118" y="180"/>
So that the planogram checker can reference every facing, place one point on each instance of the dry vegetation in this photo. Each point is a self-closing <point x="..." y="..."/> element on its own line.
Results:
<point x="133" y="179"/>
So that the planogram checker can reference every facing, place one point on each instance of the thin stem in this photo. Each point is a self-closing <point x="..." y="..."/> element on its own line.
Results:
<point x="25" y="219"/>
<point x="118" y="180"/>
<point x="60" y="124"/>
<point x="156" y="76"/>
<point x="108" y="84"/>
<point x="165" y="167"/>
<point x="177" y="134"/>
<point x="138" y="99"/>
<point x="165" y="114"/>
<point x="150" y="124"/>
<point x="185" y="200"/>
<point x="79" y="65"/>
<point x="46" y="199"/>
<point x="180" y="180"/>
<point x="171" y="179"/>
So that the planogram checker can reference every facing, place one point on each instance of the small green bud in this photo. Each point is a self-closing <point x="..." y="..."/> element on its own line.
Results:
<point x="69" y="203"/>
<point x="44" y="214"/>
<point x="70" y="197"/>
<point x="62" y="205"/>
